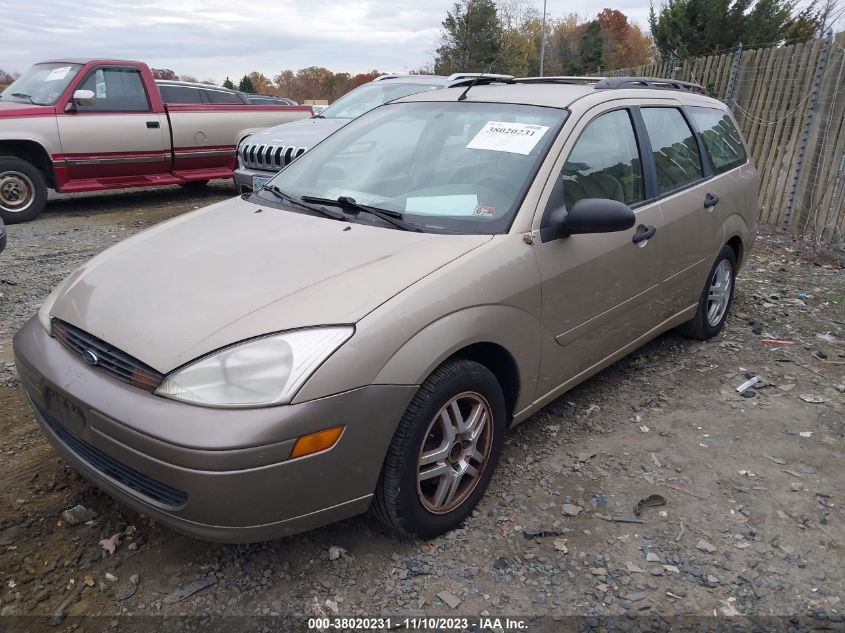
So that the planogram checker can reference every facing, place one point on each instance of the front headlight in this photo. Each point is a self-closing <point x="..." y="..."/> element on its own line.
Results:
<point x="47" y="306"/>
<point x="261" y="372"/>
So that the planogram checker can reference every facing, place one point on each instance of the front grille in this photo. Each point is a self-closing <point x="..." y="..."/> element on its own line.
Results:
<point x="109" y="466"/>
<point x="269" y="157"/>
<point x="111" y="360"/>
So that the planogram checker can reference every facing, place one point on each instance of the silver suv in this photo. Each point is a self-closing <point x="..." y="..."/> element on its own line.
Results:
<point x="262" y="154"/>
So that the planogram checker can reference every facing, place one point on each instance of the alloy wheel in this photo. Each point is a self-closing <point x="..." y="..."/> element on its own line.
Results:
<point x="719" y="295"/>
<point x="455" y="452"/>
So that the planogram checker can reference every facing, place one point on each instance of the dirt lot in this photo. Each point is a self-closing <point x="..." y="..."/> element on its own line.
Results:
<point x="754" y="486"/>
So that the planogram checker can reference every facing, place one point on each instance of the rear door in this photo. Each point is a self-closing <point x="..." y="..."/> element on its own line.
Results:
<point x="599" y="290"/>
<point x="693" y="230"/>
<point x="119" y="137"/>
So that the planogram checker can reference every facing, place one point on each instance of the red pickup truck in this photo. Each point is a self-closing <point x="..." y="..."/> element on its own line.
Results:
<point x="92" y="124"/>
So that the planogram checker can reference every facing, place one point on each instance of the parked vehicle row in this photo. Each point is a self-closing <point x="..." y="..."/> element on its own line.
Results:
<point x="359" y="332"/>
<point x="264" y="153"/>
<point x="88" y="125"/>
<point x="192" y="92"/>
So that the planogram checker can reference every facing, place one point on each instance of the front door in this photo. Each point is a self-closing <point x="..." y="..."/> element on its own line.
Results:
<point x="599" y="290"/>
<point x="118" y="137"/>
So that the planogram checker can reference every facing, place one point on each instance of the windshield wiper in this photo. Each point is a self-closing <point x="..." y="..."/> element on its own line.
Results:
<point x="303" y="203"/>
<point x="345" y="202"/>
<point x="21" y="95"/>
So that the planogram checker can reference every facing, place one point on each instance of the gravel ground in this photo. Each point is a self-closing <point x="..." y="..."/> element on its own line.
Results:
<point x="754" y="485"/>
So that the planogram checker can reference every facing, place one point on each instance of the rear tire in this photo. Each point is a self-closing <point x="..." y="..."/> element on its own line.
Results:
<point x="444" y="452"/>
<point x="23" y="190"/>
<point x="715" y="301"/>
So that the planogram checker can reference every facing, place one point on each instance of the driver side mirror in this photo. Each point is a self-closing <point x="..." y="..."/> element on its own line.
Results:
<point x="589" y="215"/>
<point x="82" y="98"/>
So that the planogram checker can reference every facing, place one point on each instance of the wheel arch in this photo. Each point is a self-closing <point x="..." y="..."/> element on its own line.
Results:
<point x="491" y="335"/>
<point x="34" y="153"/>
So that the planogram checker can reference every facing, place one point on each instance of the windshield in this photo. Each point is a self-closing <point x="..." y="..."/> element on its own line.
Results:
<point x="444" y="166"/>
<point x="42" y="84"/>
<point x="364" y="98"/>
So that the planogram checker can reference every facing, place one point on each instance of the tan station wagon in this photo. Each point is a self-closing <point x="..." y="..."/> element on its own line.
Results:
<point x="362" y="331"/>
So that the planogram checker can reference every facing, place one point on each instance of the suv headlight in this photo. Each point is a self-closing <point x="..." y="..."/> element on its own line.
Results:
<point x="258" y="373"/>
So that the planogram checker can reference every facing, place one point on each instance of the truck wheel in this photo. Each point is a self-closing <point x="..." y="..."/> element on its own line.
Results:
<point x="444" y="451"/>
<point x="23" y="190"/>
<point x="715" y="300"/>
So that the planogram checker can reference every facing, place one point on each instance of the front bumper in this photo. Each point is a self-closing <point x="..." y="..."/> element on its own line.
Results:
<point x="223" y="475"/>
<point x="243" y="177"/>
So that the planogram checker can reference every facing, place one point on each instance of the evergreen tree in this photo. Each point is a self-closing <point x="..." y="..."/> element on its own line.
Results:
<point x="471" y="39"/>
<point x="228" y="84"/>
<point x="690" y="28"/>
<point x="246" y="84"/>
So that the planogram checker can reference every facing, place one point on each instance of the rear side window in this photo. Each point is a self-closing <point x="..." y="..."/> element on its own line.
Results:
<point x="180" y="94"/>
<point x="220" y="96"/>
<point x="116" y="90"/>
<point x="675" y="149"/>
<point x="605" y="162"/>
<point x="723" y="142"/>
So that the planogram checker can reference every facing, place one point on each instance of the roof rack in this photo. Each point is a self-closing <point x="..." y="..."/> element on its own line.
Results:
<point x="559" y="79"/>
<point x="478" y="79"/>
<point x="615" y="83"/>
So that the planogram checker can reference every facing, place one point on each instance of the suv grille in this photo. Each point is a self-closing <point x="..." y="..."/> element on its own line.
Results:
<point x="269" y="157"/>
<point x="111" y="360"/>
<point x="115" y="469"/>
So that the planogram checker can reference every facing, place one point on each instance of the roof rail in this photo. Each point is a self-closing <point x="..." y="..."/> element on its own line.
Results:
<point x="558" y="79"/>
<point x="387" y="76"/>
<point x="615" y="83"/>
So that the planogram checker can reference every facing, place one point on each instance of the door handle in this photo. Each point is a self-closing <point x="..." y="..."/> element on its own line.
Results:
<point x="152" y="125"/>
<point x="710" y="200"/>
<point x="643" y="233"/>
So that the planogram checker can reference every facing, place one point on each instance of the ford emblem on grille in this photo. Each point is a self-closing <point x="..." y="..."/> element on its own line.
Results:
<point x="90" y="357"/>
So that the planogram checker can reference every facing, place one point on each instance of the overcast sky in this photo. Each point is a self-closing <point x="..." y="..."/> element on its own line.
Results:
<point x="218" y="38"/>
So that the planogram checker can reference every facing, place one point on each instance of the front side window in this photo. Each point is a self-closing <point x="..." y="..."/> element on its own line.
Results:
<point x="115" y="90"/>
<point x="721" y="138"/>
<point x="675" y="149"/>
<point x="443" y="166"/>
<point x="42" y="84"/>
<point x="605" y="162"/>
<point x="365" y="98"/>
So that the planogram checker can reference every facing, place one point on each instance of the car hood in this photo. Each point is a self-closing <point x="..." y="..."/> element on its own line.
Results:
<point x="234" y="270"/>
<point x="300" y="133"/>
<point x="9" y="109"/>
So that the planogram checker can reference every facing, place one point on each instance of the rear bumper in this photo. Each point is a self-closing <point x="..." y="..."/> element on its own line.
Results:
<point x="223" y="475"/>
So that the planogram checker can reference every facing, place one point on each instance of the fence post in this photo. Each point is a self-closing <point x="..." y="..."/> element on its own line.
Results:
<point x="812" y="108"/>
<point x="729" y="97"/>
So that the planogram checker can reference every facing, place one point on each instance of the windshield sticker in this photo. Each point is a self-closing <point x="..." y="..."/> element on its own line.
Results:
<point x="58" y="73"/>
<point x="460" y="205"/>
<point x="484" y="210"/>
<point x="514" y="138"/>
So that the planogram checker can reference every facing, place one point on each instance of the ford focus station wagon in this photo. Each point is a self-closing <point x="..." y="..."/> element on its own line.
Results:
<point x="361" y="332"/>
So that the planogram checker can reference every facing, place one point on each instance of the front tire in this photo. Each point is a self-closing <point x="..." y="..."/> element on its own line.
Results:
<point x="23" y="190"/>
<point x="444" y="452"/>
<point x="715" y="300"/>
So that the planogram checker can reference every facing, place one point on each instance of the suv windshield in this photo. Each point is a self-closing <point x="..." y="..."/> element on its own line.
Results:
<point x="365" y="98"/>
<point x="42" y="84"/>
<point x="442" y="166"/>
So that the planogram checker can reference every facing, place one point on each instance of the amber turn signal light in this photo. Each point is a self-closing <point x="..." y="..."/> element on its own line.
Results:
<point x="316" y="442"/>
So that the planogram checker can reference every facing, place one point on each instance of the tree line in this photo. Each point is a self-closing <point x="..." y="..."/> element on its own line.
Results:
<point x="506" y="36"/>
